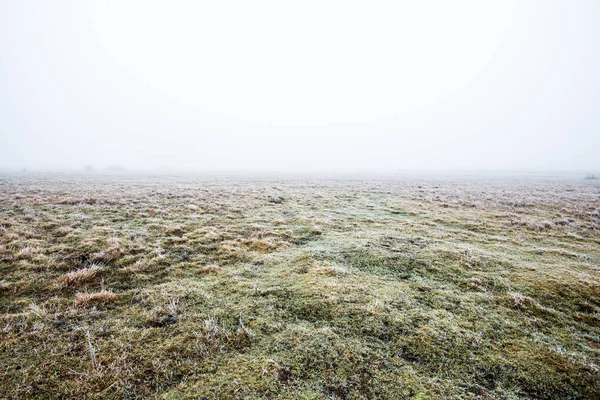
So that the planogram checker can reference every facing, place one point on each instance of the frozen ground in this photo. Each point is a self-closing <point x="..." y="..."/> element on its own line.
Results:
<point x="131" y="286"/>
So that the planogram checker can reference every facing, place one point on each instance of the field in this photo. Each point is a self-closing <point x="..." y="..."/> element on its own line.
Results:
<point x="140" y="286"/>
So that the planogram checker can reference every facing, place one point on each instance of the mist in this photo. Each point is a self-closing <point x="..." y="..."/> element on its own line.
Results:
<point x="300" y="86"/>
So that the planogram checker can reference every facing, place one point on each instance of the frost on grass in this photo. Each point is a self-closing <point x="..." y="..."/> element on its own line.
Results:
<point x="403" y="288"/>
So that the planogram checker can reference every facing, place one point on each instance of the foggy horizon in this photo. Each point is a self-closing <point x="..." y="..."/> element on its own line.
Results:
<point x="330" y="86"/>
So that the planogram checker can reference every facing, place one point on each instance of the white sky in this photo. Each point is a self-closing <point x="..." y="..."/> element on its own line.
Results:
<point x="300" y="85"/>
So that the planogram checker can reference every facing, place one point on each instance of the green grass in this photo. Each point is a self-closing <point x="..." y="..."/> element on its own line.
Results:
<point x="414" y="289"/>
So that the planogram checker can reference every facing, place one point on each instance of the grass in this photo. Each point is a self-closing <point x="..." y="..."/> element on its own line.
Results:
<point x="102" y="297"/>
<point x="189" y="287"/>
<point x="210" y="268"/>
<point x="80" y="276"/>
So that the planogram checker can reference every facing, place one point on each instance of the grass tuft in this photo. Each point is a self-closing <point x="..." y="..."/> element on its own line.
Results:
<point x="210" y="269"/>
<point x="80" y="276"/>
<point x="135" y="267"/>
<point x="86" y="299"/>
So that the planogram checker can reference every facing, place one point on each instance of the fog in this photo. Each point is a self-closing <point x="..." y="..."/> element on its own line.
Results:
<point x="300" y="86"/>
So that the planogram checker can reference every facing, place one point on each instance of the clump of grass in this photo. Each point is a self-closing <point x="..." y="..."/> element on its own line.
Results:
<point x="177" y="230"/>
<point x="261" y="245"/>
<point x="329" y="270"/>
<point x="86" y="299"/>
<point x="80" y="276"/>
<point x="135" y="267"/>
<point x="27" y="252"/>
<point x="161" y="317"/>
<point x="107" y="256"/>
<point x="38" y="310"/>
<point x="559" y="252"/>
<point x="113" y="241"/>
<point x="4" y="286"/>
<point x="212" y="268"/>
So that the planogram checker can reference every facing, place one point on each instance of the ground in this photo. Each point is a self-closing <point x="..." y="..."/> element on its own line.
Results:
<point x="417" y="287"/>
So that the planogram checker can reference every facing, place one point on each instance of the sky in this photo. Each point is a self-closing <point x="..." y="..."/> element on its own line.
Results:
<point x="302" y="86"/>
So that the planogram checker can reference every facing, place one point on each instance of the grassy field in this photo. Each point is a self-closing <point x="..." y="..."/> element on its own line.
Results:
<point x="189" y="287"/>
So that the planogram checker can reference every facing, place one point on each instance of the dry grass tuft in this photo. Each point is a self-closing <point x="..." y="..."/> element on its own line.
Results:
<point x="4" y="286"/>
<point x="80" y="276"/>
<point x="113" y="241"/>
<point x="210" y="268"/>
<point x="328" y="271"/>
<point x="38" y="310"/>
<point x="85" y="299"/>
<point x="560" y="252"/>
<point x="175" y="230"/>
<point x="27" y="252"/>
<point x="265" y="245"/>
<point x="136" y="266"/>
<point x="107" y="256"/>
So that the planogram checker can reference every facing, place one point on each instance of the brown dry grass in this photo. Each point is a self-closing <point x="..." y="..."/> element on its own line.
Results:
<point x="174" y="230"/>
<point x="135" y="267"/>
<point x="80" y="276"/>
<point x="210" y="269"/>
<point x="87" y="299"/>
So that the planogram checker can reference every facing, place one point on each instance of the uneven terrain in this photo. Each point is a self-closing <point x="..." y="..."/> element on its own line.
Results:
<point x="142" y="286"/>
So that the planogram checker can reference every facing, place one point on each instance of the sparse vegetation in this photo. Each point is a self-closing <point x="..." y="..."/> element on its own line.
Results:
<point x="130" y="287"/>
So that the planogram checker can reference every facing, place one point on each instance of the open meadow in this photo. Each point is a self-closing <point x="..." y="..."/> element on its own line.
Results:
<point x="131" y="286"/>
